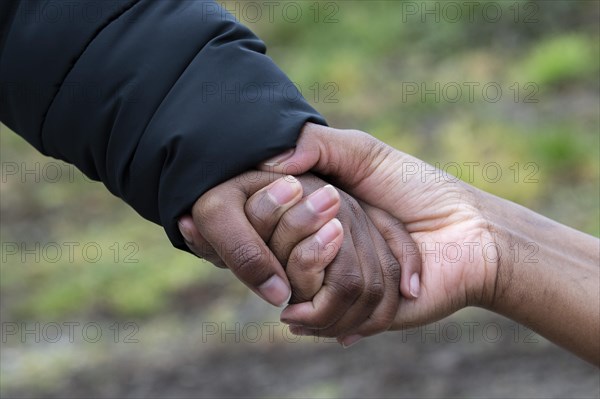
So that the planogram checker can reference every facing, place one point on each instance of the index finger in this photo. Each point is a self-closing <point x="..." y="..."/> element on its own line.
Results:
<point x="220" y="218"/>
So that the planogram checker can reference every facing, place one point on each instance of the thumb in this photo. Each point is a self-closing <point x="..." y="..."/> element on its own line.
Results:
<point x="304" y="157"/>
<point x="220" y="218"/>
<point x="346" y="157"/>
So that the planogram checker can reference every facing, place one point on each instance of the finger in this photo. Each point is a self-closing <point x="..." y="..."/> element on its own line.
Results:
<point x="369" y="285"/>
<point x="347" y="156"/>
<point x="220" y="218"/>
<point x="342" y="286"/>
<point x="404" y="248"/>
<point x="307" y="263"/>
<point x="197" y="244"/>
<point x="383" y="316"/>
<point x="375" y="310"/>
<point x="303" y="220"/>
<point x="266" y="206"/>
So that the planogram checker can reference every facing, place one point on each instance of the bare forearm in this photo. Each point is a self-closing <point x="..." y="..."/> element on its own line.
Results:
<point x="548" y="277"/>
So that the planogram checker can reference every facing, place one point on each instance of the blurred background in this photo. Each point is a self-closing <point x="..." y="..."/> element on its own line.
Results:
<point x="95" y="301"/>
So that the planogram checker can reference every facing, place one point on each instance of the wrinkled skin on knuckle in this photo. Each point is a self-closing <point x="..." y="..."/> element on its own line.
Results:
<point x="248" y="259"/>
<point x="347" y="286"/>
<point x="375" y="153"/>
<point x="370" y="154"/>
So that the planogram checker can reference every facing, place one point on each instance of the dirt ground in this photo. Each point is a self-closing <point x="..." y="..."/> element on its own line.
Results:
<point x="493" y="358"/>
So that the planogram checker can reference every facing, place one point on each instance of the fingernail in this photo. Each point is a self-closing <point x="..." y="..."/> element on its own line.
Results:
<point x="323" y="199"/>
<point x="279" y="158"/>
<point x="415" y="287"/>
<point x="276" y="291"/>
<point x="329" y="232"/>
<point x="284" y="190"/>
<point x="185" y="232"/>
<point x="350" y="340"/>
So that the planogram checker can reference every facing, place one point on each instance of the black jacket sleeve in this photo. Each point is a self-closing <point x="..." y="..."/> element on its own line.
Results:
<point x="159" y="99"/>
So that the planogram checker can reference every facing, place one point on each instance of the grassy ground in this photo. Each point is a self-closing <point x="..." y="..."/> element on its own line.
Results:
<point x="509" y="103"/>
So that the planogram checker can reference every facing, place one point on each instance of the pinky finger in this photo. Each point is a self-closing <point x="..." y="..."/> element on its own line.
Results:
<point x="404" y="248"/>
<point x="197" y="243"/>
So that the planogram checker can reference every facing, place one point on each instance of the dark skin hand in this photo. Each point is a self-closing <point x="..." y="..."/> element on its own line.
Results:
<point x="344" y="276"/>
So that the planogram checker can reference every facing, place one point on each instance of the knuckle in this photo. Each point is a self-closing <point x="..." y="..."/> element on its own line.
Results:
<point x="248" y="259"/>
<point x="209" y="206"/>
<point x="373" y="294"/>
<point x="373" y="154"/>
<point x="347" y="287"/>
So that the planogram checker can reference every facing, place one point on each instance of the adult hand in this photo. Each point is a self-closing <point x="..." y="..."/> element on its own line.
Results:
<point x="460" y="258"/>
<point x="462" y="233"/>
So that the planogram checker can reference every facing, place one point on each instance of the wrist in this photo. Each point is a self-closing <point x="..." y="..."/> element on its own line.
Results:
<point x="500" y="266"/>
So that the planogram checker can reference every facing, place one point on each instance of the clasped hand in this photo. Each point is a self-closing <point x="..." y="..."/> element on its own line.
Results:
<point x="349" y="266"/>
